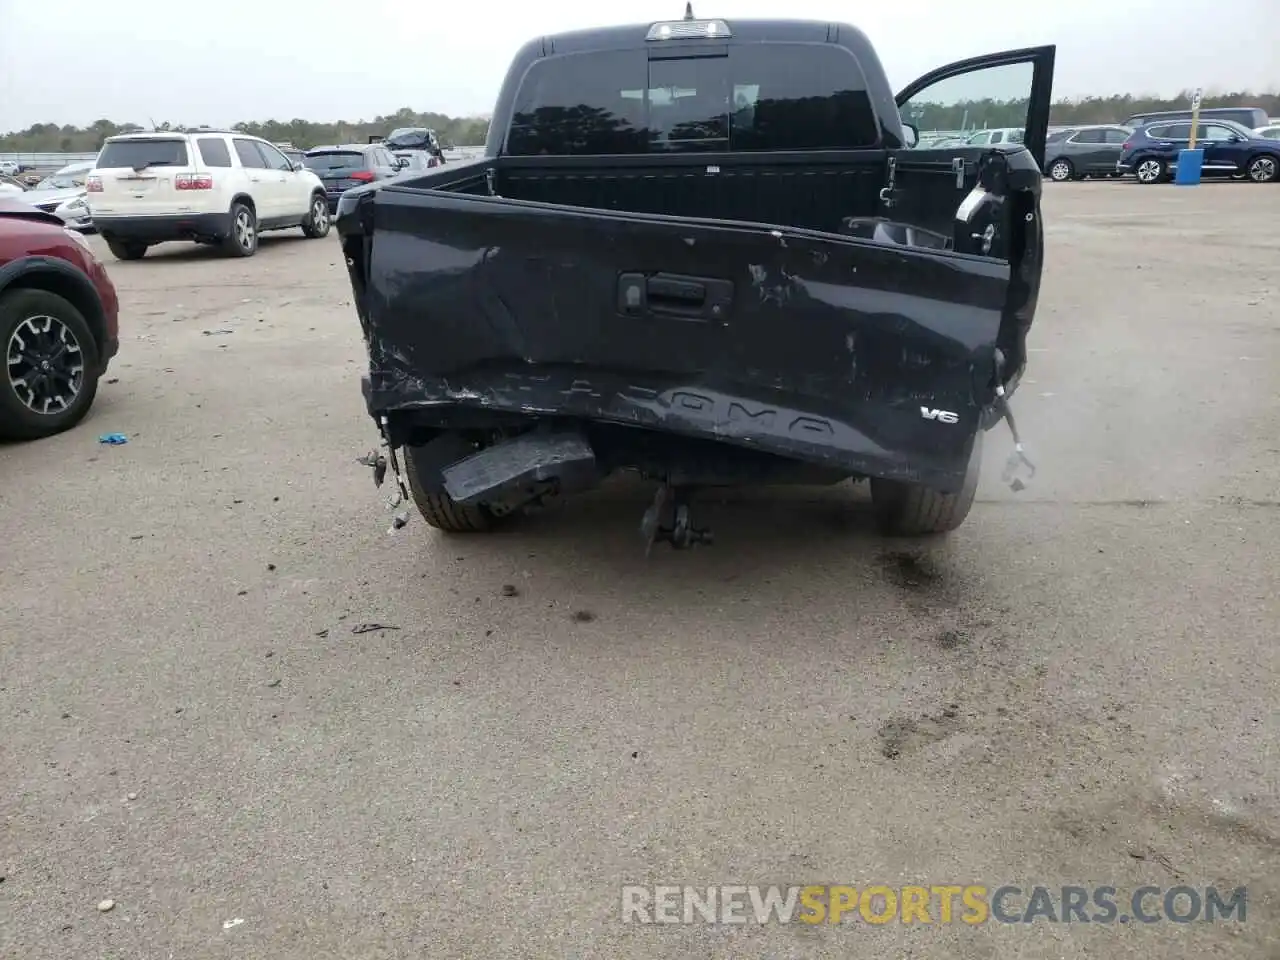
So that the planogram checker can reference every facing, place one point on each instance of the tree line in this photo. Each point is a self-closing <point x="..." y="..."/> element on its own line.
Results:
<point x="470" y="131"/>
<point x="52" y="138"/>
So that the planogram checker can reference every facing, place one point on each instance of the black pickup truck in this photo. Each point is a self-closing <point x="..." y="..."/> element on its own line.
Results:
<point x="712" y="252"/>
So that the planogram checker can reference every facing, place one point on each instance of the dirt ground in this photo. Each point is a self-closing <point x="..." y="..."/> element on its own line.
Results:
<point x="1079" y="687"/>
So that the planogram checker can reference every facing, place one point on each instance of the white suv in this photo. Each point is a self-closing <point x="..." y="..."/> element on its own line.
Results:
<point x="214" y="187"/>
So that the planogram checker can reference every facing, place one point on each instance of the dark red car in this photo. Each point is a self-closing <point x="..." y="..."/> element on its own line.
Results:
<point x="58" y="323"/>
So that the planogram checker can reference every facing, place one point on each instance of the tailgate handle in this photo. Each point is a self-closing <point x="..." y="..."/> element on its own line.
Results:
<point x="685" y="293"/>
<point x="668" y="294"/>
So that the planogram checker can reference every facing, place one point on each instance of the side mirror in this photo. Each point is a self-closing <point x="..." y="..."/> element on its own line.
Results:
<point x="295" y="165"/>
<point x="910" y="134"/>
<point x="1235" y="138"/>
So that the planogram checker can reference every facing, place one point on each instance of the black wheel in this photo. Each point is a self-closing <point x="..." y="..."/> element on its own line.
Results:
<point x="1149" y="170"/>
<point x="243" y="239"/>
<point x="1264" y="168"/>
<point x="127" y="249"/>
<point x="51" y="365"/>
<point x="438" y="509"/>
<point x="317" y="223"/>
<point x="1061" y="170"/>
<point x="912" y="510"/>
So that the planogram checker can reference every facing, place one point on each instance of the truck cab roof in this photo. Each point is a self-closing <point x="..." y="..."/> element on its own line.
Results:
<point x="744" y="31"/>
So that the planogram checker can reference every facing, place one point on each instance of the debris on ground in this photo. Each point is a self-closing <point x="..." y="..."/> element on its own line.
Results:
<point x="234" y="922"/>
<point x="131" y="796"/>
<point x="113" y="439"/>
<point x="217" y="333"/>
<point x="274" y="683"/>
<point x="509" y="590"/>
<point x="105" y="905"/>
<point x="583" y="616"/>
<point x="372" y="627"/>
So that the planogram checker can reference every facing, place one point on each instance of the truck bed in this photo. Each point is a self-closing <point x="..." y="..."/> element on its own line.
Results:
<point x="766" y="318"/>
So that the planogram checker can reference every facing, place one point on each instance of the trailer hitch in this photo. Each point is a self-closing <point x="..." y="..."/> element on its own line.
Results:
<point x="672" y="505"/>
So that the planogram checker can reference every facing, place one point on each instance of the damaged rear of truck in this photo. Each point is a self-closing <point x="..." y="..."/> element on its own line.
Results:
<point x="713" y="253"/>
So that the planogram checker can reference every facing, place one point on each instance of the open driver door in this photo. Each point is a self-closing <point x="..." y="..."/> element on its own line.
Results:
<point x="966" y="124"/>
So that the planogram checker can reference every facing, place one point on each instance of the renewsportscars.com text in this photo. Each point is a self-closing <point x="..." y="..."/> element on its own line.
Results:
<point x="970" y="904"/>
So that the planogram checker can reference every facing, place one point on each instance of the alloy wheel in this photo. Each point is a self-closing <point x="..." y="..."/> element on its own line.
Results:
<point x="1060" y="171"/>
<point x="320" y="214"/>
<point x="45" y="364"/>
<point x="245" y="230"/>
<point x="1262" y="170"/>
<point x="1149" y="171"/>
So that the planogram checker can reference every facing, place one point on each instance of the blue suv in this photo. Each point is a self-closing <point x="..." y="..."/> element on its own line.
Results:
<point x="1230" y="149"/>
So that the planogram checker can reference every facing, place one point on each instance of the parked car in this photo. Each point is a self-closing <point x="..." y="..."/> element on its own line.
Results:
<point x="342" y="167"/>
<point x="414" y="161"/>
<point x="1271" y="132"/>
<point x="414" y="138"/>
<point x="1249" y="117"/>
<point x="1085" y="151"/>
<point x="1151" y="153"/>
<point x="65" y="195"/>
<point x="59" y="323"/>
<point x="994" y="135"/>
<point x="681" y="323"/>
<point x="10" y="168"/>
<point x="220" y="188"/>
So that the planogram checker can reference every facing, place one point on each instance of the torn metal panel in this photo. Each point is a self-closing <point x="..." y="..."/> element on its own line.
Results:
<point x="801" y="344"/>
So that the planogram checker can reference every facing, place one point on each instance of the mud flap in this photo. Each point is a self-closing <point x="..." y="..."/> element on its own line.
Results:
<point x="524" y="468"/>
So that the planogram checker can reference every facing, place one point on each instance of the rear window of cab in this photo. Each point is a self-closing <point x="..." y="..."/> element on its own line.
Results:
<point x="143" y="153"/>
<point x="774" y="96"/>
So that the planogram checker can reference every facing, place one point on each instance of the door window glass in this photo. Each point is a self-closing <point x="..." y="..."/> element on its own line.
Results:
<point x="1088" y="136"/>
<point x="1115" y="135"/>
<point x="997" y="96"/>
<point x="249" y="156"/>
<point x="273" y="158"/>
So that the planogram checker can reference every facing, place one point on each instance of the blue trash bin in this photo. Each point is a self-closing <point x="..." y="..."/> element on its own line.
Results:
<point x="1190" y="163"/>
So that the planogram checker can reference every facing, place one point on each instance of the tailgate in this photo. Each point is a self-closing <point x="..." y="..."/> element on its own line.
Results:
<point x="336" y="168"/>
<point x="873" y="356"/>
<point x="138" y="177"/>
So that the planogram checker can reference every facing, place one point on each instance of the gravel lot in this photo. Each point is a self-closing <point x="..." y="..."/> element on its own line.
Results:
<point x="1079" y="687"/>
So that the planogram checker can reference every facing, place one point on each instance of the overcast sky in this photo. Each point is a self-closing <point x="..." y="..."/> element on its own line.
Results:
<point x="75" y="61"/>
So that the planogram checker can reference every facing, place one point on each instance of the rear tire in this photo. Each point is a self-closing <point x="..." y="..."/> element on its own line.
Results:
<point x="913" y="510"/>
<point x="1061" y="170"/>
<point x="243" y="239"/>
<point x="1264" y="168"/>
<point x="317" y="223"/>
<point x="127" y="249"/>
<point x="439" y="509"/>
<point x="1150" y="170"/>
